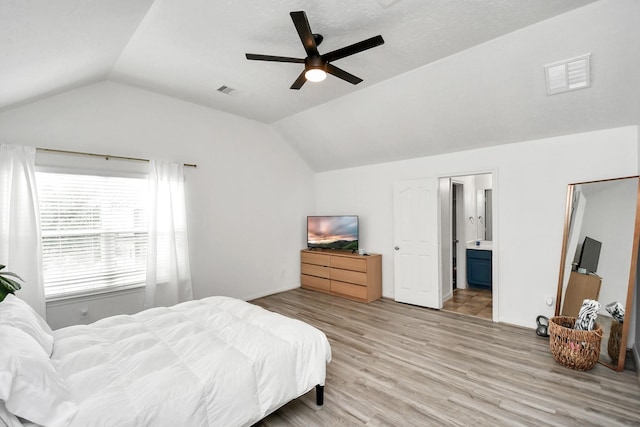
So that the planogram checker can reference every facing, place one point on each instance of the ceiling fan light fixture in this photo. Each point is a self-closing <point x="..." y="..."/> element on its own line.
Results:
<point x="315" y="69"/>
<point x="315" y="74"/>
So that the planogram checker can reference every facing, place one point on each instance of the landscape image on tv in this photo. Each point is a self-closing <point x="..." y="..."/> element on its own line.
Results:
<point x="332" y="232"/>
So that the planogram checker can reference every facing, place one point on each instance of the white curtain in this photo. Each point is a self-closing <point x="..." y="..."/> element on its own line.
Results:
<point x="20" y="238"/>
<point x="168" y="271"/>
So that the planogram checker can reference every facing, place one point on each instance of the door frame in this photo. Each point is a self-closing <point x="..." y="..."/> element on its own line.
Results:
<point x="461" y="269"/>
<point x="495" y="260"/>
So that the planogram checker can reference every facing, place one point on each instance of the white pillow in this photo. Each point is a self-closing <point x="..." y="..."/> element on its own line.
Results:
<point x="7" y="419"/>
<point x="30" y="386"/>
<point x="15" y="312"/>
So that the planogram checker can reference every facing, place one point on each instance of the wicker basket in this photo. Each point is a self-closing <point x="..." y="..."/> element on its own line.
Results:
<point x="615" y="340"/>
<point x="572" y="348"/>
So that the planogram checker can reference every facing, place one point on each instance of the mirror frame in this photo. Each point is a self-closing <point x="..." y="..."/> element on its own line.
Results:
<point x="632" y="266"/>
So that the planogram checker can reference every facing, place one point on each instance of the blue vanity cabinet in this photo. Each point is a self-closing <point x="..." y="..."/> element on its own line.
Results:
<point x="479" y="268"/>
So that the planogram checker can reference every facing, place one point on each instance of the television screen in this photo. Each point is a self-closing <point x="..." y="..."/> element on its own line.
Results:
<point x="589" y="255"/>
<point x="333" y="232"/>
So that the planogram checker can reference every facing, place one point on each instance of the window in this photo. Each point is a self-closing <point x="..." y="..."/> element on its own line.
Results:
<point x="94" y="232"/>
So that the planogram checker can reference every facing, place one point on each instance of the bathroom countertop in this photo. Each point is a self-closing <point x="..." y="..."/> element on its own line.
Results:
<point x="485" y="245"/>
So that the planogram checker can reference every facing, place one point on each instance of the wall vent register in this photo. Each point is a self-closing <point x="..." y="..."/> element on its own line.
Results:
<point x="570" y="74"/>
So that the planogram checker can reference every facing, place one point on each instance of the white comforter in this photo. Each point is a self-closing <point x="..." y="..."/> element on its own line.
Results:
<point x="212" y="362"/>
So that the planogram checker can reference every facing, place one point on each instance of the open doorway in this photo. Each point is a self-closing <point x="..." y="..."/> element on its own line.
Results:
<point x="467" y="263"/>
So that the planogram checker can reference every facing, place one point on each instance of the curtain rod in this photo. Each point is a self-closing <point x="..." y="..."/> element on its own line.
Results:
<point x="105" y="156"/>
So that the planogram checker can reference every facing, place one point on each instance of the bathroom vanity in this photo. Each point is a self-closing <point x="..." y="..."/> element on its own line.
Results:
<point x="479" y="270"/>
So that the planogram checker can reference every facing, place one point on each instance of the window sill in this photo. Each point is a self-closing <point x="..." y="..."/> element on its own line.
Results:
<point x="94" y="294"/>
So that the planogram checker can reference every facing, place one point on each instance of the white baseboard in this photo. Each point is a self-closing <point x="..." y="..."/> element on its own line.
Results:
<point x="447" y="296"/>
<point x="271" y="292"/>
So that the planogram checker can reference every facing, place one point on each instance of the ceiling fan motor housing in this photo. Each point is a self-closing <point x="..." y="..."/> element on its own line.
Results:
<point x="315" y="62"/>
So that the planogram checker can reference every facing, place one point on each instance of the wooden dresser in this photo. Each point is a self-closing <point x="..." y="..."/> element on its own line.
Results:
<point x="352" y="276"/>
<point x="580" y="287"/>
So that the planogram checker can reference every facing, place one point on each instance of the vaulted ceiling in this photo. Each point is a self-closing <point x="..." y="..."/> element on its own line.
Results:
<point x="187" y="49"/>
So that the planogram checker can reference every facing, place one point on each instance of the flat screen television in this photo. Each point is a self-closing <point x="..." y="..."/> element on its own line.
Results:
<point x="333" y="232"/>
<point x="589" y="255"/>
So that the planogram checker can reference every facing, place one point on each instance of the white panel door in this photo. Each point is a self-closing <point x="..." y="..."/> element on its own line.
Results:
<point x="416" y="260"/>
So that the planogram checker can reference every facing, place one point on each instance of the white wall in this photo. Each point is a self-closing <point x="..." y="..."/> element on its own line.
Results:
<point x="470" y="214"/>
<point x="246" y="200"/>
<point x="529" y="190"/>
<point x="482" y="183"/>
<point x="72" y="311"/>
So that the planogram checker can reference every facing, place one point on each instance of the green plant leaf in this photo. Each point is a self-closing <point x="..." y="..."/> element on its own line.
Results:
<point x="3" y="293"/>
<point x="9" y="285"/>
<point x="8" y="273"/>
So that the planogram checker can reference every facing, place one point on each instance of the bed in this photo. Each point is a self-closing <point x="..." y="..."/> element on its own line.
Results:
<point x="211" y="362"/>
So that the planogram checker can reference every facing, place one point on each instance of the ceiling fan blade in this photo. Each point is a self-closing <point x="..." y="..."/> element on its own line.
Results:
<point x="258" y="57"/>
<point x="304" y="31"/>
<point x="340" y="73"/>
<point x="354" y="48"/>
<point x="299" y="81"/>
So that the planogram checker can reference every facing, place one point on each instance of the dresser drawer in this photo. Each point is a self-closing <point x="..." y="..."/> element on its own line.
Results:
<point x="349" y="290"/>
<point x="315" y="270"/>
<point x="315" y="283"/>
<point x="349" y="276"/>
<point x="317" y="259"/>
<point x="346" y="263"/>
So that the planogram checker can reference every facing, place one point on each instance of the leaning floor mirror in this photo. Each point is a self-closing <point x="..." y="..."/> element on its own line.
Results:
<point x="599" y="258"/>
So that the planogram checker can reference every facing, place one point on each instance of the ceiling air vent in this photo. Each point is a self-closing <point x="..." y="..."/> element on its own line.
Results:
<point x="570" y="74"/>
<point x="225" y="89"/>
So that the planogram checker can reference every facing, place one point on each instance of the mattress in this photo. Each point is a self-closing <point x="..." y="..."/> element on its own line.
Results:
<point x="211" y="362"/>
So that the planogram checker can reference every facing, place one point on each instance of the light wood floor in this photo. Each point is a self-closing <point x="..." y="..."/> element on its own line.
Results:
<point x="400" y="365"/>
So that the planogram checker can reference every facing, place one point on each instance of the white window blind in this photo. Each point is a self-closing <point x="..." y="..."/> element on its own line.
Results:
<point x="94" y="232"/>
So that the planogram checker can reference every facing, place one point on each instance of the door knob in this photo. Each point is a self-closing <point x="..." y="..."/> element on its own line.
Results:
<point x="397" y="248"/>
